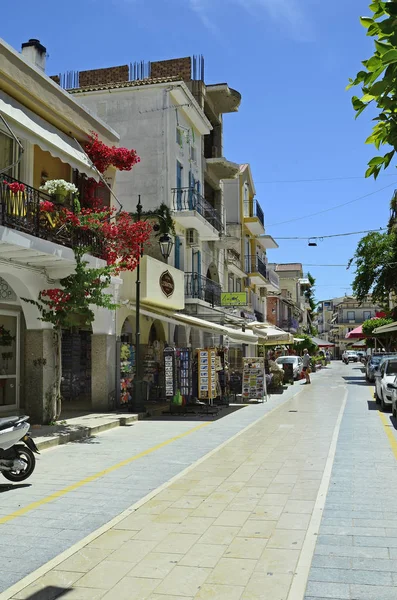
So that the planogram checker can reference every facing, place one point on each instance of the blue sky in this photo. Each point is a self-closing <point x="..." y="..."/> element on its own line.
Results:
<point x="291" y="60"/>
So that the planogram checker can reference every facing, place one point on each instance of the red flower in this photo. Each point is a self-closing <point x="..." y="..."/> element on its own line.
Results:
<point x="47" y="206"/>
<point x="15" y="187"/>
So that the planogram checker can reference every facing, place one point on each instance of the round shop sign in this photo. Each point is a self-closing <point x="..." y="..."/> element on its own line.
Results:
<point x="167" y="283"/>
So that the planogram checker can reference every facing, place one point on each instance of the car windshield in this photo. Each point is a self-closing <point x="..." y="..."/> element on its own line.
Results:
<point x="375" y="360"/>
<point x="391" y="368"/>
<point x="286" y="359"/>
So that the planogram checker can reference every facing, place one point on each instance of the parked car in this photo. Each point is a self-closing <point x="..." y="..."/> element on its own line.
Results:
<point x="349" y="356"/>
<point x="296" y="361"/>
<point x="372" y="364"/>
<point x="385" y="376"/>
<point x="361" y="355"/>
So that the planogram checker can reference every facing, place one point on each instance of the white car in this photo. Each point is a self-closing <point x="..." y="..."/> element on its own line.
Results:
<point x="296" y="362"/>
<point x="385" y="376"/>
<point x="349" y="356"/>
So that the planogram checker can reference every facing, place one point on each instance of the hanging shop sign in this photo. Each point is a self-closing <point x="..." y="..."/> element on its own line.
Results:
<point x="254" y="381"/>
<point x="207" y="374"/>
<point x="169" y="372"/>
<point x="234" y="299"/>
<point x="167" y="284"/>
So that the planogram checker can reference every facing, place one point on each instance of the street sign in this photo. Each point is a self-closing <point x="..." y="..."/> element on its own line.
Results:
<point x="234" y="299"/>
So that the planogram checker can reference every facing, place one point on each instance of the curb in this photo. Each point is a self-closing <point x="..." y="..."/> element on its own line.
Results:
<point x="81" y="433"/>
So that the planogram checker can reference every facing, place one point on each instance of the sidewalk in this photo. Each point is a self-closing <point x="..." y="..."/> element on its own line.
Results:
<point x="241" y="523"/>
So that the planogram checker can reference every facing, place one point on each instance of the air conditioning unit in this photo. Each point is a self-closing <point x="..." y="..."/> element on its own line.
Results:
<point x="192" y="237"/>
<point x="352" y="321"/>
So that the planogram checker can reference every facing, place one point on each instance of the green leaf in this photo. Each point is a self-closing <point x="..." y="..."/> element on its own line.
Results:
<point x="373" y="64"/>
<point x="377" y="160"/>
<point x="373" y="30"/>
<point x="389" y="57"/>
<point x="388" y="158"/>
<point x="383" y="47"/>
<point x="391" y="8"/>
<point x="378" y="88"/>
<point x="366" y="21"/>
<point x="367" y="98"/>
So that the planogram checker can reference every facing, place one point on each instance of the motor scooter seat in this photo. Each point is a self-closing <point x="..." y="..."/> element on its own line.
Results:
<point x="8" y="422"/>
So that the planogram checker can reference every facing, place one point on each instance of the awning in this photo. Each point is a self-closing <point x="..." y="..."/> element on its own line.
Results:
<point x="321" y="343"/>
<point x="386" y="328"/>
<point x="27" y="125"/>
<point x="245" y="337"/>
<point x="235" y="335"/>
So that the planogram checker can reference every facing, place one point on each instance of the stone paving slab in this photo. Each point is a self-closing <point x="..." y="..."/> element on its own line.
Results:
<point x="149" y="453"/>
<point x="357" y="542"/>
<point x="233" y="526"/>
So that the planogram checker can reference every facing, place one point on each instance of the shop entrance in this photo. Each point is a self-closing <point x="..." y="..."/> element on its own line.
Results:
<point x="9" y="359"/>
<point x="76" y="368"/>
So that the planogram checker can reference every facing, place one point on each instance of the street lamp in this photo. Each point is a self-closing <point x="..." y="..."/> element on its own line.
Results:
<point x="166" y="243"/>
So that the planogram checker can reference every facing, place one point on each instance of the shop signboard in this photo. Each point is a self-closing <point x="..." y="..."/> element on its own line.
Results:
<point x="254" y="381"/>
<point x="169" y="372"/>
<point x="234" y="299"/>
<point x="207" y="374"/>
<point x="167" y="283"/>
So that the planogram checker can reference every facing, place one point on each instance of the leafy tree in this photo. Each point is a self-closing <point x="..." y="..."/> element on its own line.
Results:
<point x="371" y="324"/>
<point x="378" y="81"/>
<point x="387" y="340"/>
<point x="376" y="262"/>
<point x="305" y="343"/>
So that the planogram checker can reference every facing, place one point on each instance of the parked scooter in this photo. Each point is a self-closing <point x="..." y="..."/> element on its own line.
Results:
<point x="17" y="461"/>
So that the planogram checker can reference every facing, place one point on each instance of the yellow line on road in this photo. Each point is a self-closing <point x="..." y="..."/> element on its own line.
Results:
<point x="387" y="426"/>
<point x="79" y="484"/>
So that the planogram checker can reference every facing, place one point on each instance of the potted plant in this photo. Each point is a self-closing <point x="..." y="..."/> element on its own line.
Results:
<point x="60" y="189"/>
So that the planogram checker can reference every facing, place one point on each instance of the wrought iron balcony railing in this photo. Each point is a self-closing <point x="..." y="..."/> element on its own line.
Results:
<point x="184" y="199"/>
<point x="21" y="210"/>
<point x="202" y="288"/>
<point x="253" y="264"/>
<point x="252" y="208"/>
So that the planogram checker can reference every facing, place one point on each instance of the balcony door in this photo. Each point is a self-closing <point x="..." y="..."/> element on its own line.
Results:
<point x="179" y="185"/>
<point x="9" y="360"/>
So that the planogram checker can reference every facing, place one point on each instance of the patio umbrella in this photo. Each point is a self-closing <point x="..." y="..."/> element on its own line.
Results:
<point x="356" y="333"/>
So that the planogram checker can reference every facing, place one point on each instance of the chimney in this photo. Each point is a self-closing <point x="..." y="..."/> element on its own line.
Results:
<point x="35" y="53"/>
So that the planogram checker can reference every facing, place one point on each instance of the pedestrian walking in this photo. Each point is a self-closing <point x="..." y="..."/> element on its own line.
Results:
<point x="306" y="366"/>
<point x="328" y="357"/>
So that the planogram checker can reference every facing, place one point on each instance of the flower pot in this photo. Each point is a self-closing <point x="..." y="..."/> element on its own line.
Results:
<point x="60" y="196"/>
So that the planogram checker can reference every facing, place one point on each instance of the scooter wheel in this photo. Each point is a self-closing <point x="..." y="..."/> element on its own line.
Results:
<point x="27" y="456"/>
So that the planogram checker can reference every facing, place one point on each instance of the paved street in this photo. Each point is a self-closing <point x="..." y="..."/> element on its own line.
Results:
<point x="297" y="506"/>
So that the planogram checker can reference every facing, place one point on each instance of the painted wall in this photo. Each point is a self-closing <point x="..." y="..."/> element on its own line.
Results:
<point x="54" y="167"/>
<point x="146" y="121"/>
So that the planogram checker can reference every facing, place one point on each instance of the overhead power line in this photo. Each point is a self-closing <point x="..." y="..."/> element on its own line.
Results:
<point x="323" y="237"/>
<point x="321" y="212"/>
<point x="319" y="179"/>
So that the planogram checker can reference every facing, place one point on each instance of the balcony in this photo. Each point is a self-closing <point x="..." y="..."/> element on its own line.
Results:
<point x="198" y="287"/>
<point x="274" y="281"/>
<point x="193" y="211"/>
<point x="21" y="213"/>
<point x="291" y="325"/>
<point x="261" y="275"/>
<point x="256" y="270"/>
<point x="254" y="218"/>
<point x="234" y="263"/>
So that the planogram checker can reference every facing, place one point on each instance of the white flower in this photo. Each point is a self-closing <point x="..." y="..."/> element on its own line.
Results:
<point x="58" y="186"/>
